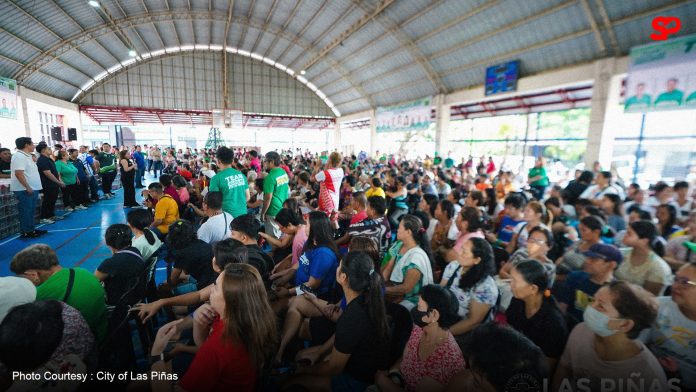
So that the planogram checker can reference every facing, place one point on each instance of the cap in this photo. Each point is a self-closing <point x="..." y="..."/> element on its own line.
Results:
<point x="604" y="252"/>
<point x="16" y="291"/>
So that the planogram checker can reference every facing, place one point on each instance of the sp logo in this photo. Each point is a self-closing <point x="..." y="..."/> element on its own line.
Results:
<point x="664" y="26"/>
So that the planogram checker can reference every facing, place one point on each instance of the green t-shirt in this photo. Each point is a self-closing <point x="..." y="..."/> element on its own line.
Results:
<point x="670" y="98"/>
<point x="87" y="296"/>
<point x="539" y="171"/>
<point x="68" y="172"/>
<point x="637" y="103"/>
<point x="276" y="182"/>
<point x="449" y="163"/>
<point x="691" y="99"/>
<point x="233" y="186"/>
<point x="106" y="160"/>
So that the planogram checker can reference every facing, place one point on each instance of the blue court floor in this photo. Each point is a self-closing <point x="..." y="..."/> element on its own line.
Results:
<point x="78" y="239"/>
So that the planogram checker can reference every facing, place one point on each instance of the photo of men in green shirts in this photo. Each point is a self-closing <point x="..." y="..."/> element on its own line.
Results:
<point x="640" y="100"/>
<point x="671" y="97"/>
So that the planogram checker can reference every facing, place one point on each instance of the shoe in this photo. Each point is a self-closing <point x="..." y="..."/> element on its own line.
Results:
<point x="69" y="209"/>
<point x="28" y="235"/>
<point x="80" y="207"/>
<point x="47" y="221"/>
<point x="40" y="232"/>
<point x="56" y="218"/>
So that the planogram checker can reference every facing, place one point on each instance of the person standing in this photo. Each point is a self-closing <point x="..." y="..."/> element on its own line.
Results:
<point x="156" y="155"/>
<point x="25" y="183"/>
<point x="107" y="169"/>
<point x="538" y="180"/>
<point x="90" y="160"/>
<point x="87" y="161"/>
<point x="82" y="195"/>
<point x="68" y="173"/>
<point x="128" y="170"/>
<point x="140" y="166"/>
<point x="329" y="185"/>
<point x="5" y="159"/>
<point x="50" y="182"/>
<point x="231" y="183"/>
<point x="275" y="192"/>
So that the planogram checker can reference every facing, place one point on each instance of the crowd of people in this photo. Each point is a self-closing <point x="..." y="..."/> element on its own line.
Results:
<point x="298" y="271"/>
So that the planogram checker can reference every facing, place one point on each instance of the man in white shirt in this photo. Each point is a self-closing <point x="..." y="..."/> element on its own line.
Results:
<point x="26" y="184"/>
<point x="217" y="227"/>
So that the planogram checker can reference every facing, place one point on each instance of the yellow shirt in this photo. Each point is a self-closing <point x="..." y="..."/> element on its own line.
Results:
<point x="375" y="192"/>
<point x="167" y="210"/>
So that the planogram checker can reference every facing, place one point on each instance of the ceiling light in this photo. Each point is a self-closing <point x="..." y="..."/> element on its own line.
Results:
<point x="132" y="53"/>
<point x="93" y="3"/>
<point x="302" y="72"/>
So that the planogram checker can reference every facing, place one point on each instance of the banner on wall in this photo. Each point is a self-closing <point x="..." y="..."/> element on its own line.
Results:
<point x="409" y="116"/>
<point x="8" y="98"/>
<point x="662" y="76"/>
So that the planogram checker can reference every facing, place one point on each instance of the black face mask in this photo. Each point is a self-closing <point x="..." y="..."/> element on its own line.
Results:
<point x="417" y="316"/>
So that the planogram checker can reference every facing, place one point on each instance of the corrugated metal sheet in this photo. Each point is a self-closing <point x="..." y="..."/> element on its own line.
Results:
<point x="372" y="56"/>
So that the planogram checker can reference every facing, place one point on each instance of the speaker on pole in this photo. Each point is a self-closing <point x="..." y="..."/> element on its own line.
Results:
<point x="57" y="134"/>
<point x="72" y="134"/>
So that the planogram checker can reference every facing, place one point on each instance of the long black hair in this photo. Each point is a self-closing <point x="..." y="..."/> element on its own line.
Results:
<point x="616" y="201"/>
<point x="486" y="267"/>
<point x="181" y="234"/>
<point x="363" y="278"/>
<point x="141" y="220"/>
<point x="647" y="230"/>
<point x="665" y="228"/>
<point x="415" y="226"/>
<point x="288" y="216"/>
<point x="534" y="273"/>
<point x="320" y="233"/>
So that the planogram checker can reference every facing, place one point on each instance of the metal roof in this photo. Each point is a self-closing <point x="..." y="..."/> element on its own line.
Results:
<point x="360" y="54"/>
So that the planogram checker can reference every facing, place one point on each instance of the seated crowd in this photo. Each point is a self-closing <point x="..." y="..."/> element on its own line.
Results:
<point x="306" y="272"/>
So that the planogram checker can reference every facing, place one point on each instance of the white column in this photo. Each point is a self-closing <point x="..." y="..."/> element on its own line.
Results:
<point x="337" y="144"/>
<point x="373" y="132"/>
<point x="442" y="119"/>
<point x="606" y="91"/>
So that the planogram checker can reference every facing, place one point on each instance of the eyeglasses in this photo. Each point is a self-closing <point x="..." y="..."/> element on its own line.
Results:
<point x="534" y="241"/>
<point x="684" y="281"/>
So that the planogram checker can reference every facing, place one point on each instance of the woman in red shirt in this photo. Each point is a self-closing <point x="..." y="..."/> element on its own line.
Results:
<point x="236" y="334"/>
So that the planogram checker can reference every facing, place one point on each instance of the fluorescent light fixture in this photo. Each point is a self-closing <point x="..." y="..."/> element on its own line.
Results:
<point x="157" y="53"/>
<point x="128" y="62"/>
<point x="302" y="79"/>
<point x="244" y="52"/>
<point x="132" y="53"/>
<point x="93" y="3"/>
<point x="173" y="49"/>
<point x="268" y="61"/>
<point x="281" y="66"/>
<point x="202" y="47"/>
<point x="187" y="47"/>
<point x="336" y="112"/>
<point x="231" y="49"/>
<point x="256" y="56"/>
<point x="215" y="47"/>
<point x="290" y="71"/>
<point x="321" y="94"/>
<point x="303" y="72"/>
<point x="114" y="68"/>
<point x="145" y="56"/>
<point x="312" y="86"/>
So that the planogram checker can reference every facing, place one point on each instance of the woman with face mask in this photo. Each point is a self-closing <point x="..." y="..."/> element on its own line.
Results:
<point x="602" y="351"/>
<point x="431" y="357"/>
<point x="534" y="312"/>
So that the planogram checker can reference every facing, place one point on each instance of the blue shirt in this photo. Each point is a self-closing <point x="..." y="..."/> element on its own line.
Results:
<point x="81" y="174"/>
<point x="139" y="159"/>
<point x="507" y="228"/>
<point x="577" y="292"/>
<point x="319" y="263"/>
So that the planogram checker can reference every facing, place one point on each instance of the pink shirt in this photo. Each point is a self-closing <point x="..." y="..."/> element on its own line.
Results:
<point x="183" y="195"/>
<point x="464" y="237"/>
<point x="443" y="364"/>
<point x="298" y="243"/>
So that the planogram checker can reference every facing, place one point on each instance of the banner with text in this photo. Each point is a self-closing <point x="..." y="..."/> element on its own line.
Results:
<point x="8" y="98"/>
<point x="662" y="76"/>
<point x="410" y="116"/>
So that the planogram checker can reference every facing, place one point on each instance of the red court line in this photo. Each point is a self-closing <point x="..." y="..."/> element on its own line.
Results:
<point x="79" y="233"/>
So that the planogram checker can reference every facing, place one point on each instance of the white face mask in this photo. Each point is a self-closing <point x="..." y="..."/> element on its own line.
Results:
<point x="598" y="322"/>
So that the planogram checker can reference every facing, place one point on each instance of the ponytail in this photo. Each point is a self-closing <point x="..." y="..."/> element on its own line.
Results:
<point x="364" y="279"/>
<point x="415" y="226"/>
<point x="149" y="236"/>
<point x="647" y="230"/>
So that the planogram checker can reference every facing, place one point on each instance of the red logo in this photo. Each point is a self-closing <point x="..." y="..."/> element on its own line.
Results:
<point x="663" y="27"/>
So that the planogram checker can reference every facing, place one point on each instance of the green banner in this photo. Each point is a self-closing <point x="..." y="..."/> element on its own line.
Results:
<point x="662" y="76"/>
<point x="8" y="98"/>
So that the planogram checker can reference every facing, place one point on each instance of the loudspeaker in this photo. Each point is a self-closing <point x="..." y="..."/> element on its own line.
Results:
<point x="72" y="134"/>
<point x="57" y="134"/>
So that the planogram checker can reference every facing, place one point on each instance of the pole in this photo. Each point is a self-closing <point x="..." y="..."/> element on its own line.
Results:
<point x="171" y="144"/>
<point x="639" y="150"/>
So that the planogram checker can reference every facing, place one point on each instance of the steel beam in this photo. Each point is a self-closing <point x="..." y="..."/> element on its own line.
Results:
<point x="301" y="33"/>
<point x="262" y="32"/>
<point x="246" y="28"/>
<point x="285" y="25"/>
<point x="593" y="24"/>
<point x="610" y="28"/>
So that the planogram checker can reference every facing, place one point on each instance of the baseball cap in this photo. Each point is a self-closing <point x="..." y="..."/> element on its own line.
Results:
<point x="604" y="252"/>
<point x="19" y="291"/>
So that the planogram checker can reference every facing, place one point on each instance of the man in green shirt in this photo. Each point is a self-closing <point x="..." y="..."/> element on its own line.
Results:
<point x="231" y="183"/>
<point x="275" y="192"/>
<point x="39" y="264"/>
<point x="671" y="97"/>
<point x="640" y="100"/>
<point x="537" y="179"/>
<point x="691" y="99"/>
<point x="107" y="169"/>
